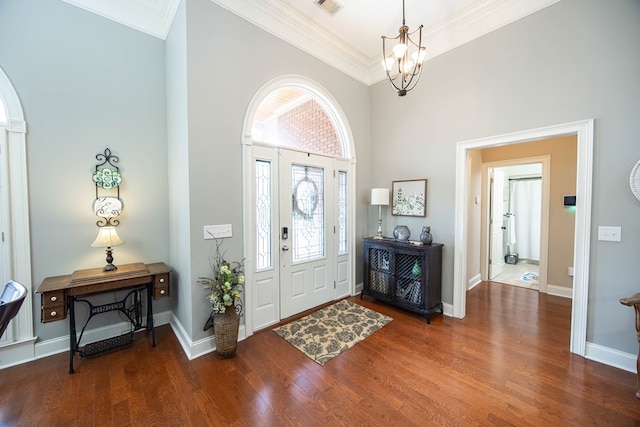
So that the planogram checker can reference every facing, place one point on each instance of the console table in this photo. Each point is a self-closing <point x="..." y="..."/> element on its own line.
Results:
<point x="634" y="301"/>
<point x="404" y="274"/>
<point x="59" y="295"/>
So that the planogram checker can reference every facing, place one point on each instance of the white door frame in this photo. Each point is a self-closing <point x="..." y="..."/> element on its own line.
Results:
<point x="343" y="130"/>
<point x="544" y="213"/>
<point x="17" y="263"/>
<point x="584" y="132"/>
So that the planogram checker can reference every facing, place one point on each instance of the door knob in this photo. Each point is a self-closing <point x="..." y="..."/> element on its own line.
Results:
<point x="285" y="248"/>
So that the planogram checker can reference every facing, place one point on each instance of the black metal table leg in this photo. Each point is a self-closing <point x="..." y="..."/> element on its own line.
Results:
<point x="150" y="313"/>
<point x="72" y="331"/>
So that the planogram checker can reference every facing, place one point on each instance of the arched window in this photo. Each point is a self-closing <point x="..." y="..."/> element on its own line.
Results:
<point x="293" y="117"/>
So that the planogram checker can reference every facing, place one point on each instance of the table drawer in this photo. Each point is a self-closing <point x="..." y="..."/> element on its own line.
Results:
<point x="53" y="298"/>
<point x="53" y="313"/>
<point x="161" y="286"/>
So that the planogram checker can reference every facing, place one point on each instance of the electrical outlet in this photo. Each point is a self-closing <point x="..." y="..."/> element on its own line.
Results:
<point x="217" y="231"/>
<point x="610" y="234"/>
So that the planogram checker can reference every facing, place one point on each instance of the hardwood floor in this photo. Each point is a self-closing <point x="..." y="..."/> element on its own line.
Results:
<point x="506" y="363"/>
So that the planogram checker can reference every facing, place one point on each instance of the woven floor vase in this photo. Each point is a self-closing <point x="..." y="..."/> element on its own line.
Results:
<point x="225" y="328"/>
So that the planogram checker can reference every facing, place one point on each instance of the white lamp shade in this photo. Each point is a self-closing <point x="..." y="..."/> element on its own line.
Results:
<point x="107" y="237"/>
<point x="380" y="196"/>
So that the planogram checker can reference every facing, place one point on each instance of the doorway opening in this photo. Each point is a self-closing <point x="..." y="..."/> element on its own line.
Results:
<point x="517" y="230"/>
<point x="299" y="186"/>
<point x="583" y="131"/>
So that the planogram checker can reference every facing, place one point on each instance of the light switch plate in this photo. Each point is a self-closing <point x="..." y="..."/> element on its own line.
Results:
<point x="217" y="231"/>
<point x="610" y="234"/>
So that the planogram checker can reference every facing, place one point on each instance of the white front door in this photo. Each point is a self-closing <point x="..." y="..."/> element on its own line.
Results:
<point x="307" y="248"/>
<point x="496" y="251"/>
<point x="294" y="241"/>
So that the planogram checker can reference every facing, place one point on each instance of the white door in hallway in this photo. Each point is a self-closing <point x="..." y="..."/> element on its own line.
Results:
<point x="496" y="254"/>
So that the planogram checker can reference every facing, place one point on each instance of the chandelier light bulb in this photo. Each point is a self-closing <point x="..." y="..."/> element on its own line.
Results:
<point x="388" y="63"/>
<point x="419" y="55"/>
<point x="407" y="66"/>
<point x="399" y="50"/>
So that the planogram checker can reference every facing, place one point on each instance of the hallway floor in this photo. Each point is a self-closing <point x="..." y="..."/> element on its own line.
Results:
<point x="522" y="274"/>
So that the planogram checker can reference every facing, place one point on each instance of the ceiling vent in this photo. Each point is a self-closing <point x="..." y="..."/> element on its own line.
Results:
<point x="330" y="6"/>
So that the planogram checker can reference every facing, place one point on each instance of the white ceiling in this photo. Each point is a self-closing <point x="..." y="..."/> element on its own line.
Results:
<point x="350" y="40"/>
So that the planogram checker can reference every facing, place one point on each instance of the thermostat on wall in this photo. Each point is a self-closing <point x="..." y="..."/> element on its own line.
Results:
<point x="569" y="200"/>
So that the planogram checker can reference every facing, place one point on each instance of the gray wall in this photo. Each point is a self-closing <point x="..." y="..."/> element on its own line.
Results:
<point x="178" y="148"/>
<point x="221" y="82"/>
<point x="575" y="60"/>
<point x="87" y="83"/>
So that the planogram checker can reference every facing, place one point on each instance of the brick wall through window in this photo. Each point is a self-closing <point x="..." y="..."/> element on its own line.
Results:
<point x="308" y="127"/>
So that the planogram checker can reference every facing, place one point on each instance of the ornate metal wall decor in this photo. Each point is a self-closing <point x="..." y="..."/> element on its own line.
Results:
<point x="107" y="179"/>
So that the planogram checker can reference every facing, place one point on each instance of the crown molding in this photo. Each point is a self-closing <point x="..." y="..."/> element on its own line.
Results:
<point x="469" y="24"/>
<point x="153" y="17"/>
<point x="280" y="18"/>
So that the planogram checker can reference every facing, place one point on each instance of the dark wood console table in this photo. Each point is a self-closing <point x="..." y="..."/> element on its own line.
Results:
<point x="60" y="294"/>
<point x="634" y="301"/>
<point x="404" y="274"/>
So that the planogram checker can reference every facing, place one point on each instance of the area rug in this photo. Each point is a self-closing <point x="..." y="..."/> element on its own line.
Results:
<point x="324" y="334"/>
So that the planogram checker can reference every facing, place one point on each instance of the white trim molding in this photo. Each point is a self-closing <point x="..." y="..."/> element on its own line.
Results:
<point x="584" y="132"/>
<point x="153" y="17"/>
<point x="15" y="218"/>
<point x="194" y="349"/>
<point x="560" y="291"/>
<point x="286" y="21"/>
<point x="61" y="344"/>
<point x="611" y="357"/>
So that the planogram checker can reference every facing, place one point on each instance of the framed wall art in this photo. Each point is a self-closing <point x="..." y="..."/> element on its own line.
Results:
<point x="409" y="198"/>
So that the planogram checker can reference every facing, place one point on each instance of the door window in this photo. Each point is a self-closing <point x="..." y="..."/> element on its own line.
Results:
<point x="264" y="200"/>
<point x="308" y="214"/>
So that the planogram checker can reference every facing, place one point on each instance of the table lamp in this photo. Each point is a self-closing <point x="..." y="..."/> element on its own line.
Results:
<point x="379" y="197"/>
<point x="107" y="237"/>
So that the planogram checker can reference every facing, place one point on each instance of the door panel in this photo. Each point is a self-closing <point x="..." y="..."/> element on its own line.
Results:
<point x="496" y="254"/>
<point x="307" y="254"/>
<point x="266" y="279"/>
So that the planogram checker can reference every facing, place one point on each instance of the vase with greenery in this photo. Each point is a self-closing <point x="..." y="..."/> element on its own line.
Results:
<point x="225" y="286"/>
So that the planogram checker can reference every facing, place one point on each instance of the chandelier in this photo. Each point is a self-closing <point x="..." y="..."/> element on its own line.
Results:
<point x="403" y="63"/>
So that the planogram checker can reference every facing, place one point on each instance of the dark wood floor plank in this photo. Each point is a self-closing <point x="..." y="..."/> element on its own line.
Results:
<point x="507" y="363"/>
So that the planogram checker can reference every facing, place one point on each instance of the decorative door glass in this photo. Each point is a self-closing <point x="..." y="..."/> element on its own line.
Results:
<point x="264" y="199"/>
<point x="342" y="212"/>
<point x="308" y="213"/>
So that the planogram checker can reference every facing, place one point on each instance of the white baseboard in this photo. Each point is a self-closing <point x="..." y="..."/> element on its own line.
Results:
<point x="26" y="351"/>
<point x="195" y="349"/>
<point x="560" y="291"/>
<point x="474" y="281"/>
<point x="611" y="357"/>
<point x="17" y="353"/>
<point x="447" y="309"/>
<point x="359" y="287"/>
<point x="61" y="344"/>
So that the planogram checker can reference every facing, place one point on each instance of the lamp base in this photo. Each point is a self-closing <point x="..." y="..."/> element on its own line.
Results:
<point x="109" y="267"/>
<point x="378" y="237"/>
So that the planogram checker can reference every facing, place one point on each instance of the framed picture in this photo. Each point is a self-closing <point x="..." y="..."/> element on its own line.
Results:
<point x="409" y="198"/>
